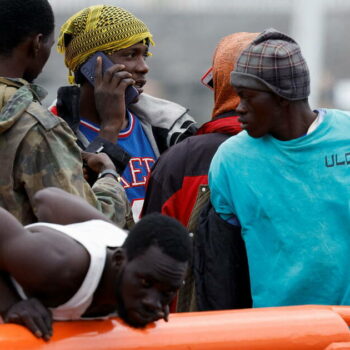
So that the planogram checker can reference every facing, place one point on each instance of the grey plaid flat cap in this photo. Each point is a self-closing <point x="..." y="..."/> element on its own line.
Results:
<point x="273" y="62"/>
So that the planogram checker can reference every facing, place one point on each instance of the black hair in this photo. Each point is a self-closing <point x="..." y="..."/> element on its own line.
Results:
<point x="163" y="231"/>
<point x="19" y="19"/>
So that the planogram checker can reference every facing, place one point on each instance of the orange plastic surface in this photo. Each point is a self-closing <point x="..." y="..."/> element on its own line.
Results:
<point x="288" y="328"/>
<point x="338" y="346"/>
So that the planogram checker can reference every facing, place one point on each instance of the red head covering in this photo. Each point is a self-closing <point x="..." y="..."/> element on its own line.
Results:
<point x="224" y="60"/>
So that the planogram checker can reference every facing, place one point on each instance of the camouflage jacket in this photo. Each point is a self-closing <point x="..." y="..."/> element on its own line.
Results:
<point x="38" y="150"/>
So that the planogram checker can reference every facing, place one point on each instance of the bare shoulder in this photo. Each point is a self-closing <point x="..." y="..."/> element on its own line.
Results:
<point x="50" y="261"/>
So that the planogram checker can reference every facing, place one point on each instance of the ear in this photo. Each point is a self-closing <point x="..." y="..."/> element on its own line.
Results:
<point x="37" y="42"/>
<point x="119" y="258"/>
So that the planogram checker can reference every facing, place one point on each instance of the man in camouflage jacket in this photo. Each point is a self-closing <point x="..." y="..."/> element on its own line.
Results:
<point x="38" y="149"/>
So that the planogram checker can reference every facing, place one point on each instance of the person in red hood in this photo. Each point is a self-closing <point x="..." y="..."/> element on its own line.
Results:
<point x="183" y="169"/>
<point x="178" y="183"/>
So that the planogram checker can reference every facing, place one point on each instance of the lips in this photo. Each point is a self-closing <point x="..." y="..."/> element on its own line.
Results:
<point x="139" y="85"/>
<point x="144" y="318"/>
<point x="244" y="124"/>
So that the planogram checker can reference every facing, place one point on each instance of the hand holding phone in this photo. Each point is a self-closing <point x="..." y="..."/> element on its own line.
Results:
<point x="88" y="71"/>
<point x="112" y="91"/>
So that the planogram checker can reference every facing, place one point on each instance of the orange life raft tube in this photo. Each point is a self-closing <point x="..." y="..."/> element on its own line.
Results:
<point x="287" y="328"/>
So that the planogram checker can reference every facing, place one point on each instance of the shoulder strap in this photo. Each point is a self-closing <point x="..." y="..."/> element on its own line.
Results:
<point x="43" y="115"/>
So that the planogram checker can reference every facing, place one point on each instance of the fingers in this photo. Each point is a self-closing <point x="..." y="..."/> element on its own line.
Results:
<point x="109" y="94"/>
<point x="43" y="319"/>
<point x="33" y="315"/>
<point x="85" y="155"/>
<point x="119" y="78"/>
<point x="114" y="75"/>
<point x="117" y="75"/>
<point x="166" y="313"/>
<point x="86" y="173"/>
<point x="98" y="71"/>
<point x="97" y="162"/>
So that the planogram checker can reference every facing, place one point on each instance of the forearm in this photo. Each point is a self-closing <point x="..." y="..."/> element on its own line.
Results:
<point x="57" y="206"/>
<point x="154" y="198"/>
<point x="113" y="201"/>
<point x="58" y="164"/>
<point x="9" y="295"/>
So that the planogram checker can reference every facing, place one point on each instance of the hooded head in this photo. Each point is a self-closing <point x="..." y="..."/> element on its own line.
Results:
<point x="225" y="58"/>
<point x="99" y="28"/>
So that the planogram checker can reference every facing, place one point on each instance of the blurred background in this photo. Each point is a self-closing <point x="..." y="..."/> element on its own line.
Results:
<point x="186" y="33"/>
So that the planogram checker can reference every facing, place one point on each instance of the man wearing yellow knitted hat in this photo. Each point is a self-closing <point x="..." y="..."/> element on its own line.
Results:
<point x="134" y="134"/>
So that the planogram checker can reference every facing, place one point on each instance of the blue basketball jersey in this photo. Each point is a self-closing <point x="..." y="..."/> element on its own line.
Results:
<point x="134" y="141"/>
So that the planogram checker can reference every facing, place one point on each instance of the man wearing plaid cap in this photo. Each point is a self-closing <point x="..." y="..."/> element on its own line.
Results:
<point x="285" y="180"/>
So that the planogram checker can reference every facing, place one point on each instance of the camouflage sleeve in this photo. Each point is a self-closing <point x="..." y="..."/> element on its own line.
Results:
<point x="52" y="158"/>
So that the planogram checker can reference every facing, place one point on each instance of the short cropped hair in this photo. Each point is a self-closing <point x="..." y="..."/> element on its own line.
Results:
<point x="163" y="231"/>
<point x="20" y="19"/>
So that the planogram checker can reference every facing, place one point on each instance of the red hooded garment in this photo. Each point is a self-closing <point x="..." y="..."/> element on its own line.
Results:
<point x="175" y="179"/>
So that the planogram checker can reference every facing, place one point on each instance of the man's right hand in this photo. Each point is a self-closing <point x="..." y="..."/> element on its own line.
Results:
<point x="32" y="314"/>
<point x="110" y="98"/>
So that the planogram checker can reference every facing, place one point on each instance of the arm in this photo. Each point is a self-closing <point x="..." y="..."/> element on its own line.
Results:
<point x="52" y="159"/>
<point x="109" y="91"/>
<point x="154" y="197"/>
<point x="57" y="206"/>
<point x="30" y="313"/>
<point x="220" y="264"/>
<point x="67" y="107"/>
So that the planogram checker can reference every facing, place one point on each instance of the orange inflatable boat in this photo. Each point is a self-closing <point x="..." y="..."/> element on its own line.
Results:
<point x="287" y="328"/>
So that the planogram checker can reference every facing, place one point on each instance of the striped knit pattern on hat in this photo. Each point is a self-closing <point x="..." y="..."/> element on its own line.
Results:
<point x="99" y="28"/>
<point x="273" y="62"/>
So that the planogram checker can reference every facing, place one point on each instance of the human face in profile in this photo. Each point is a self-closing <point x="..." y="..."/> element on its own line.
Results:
<point x="147" y="285"/>
<point x="259" y="112"/>
<point x="134" y="60"/>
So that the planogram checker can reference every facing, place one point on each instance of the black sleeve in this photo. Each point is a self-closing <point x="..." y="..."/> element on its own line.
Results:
<point x="220" y="264"/>
<point x="117" y="154"/>
<point x="158" y="189"/>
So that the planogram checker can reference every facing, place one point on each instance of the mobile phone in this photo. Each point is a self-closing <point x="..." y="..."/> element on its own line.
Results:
<point x="207" y="79"/>
<point x="88" y="71"/>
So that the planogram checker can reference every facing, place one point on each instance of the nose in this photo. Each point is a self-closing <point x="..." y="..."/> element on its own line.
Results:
<point x="152" y="303"/>
<point x="240" y="109"/>
<point x="142" y="66"/>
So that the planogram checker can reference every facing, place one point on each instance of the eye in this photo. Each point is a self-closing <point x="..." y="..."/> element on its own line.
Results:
<point x="145" y="283"/>
<point x="129" y="54"/>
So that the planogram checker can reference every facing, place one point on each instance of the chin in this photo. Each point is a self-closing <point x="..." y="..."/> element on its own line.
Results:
<point x="254" y="135"/>
<point x="134" y="323"/>
<point x="137" y="325"/>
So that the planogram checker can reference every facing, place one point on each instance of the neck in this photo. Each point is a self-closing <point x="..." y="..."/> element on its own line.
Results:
<point x="11" y="66"/>
<point x="296" y="120"/>
<point x="104" y="300"/>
